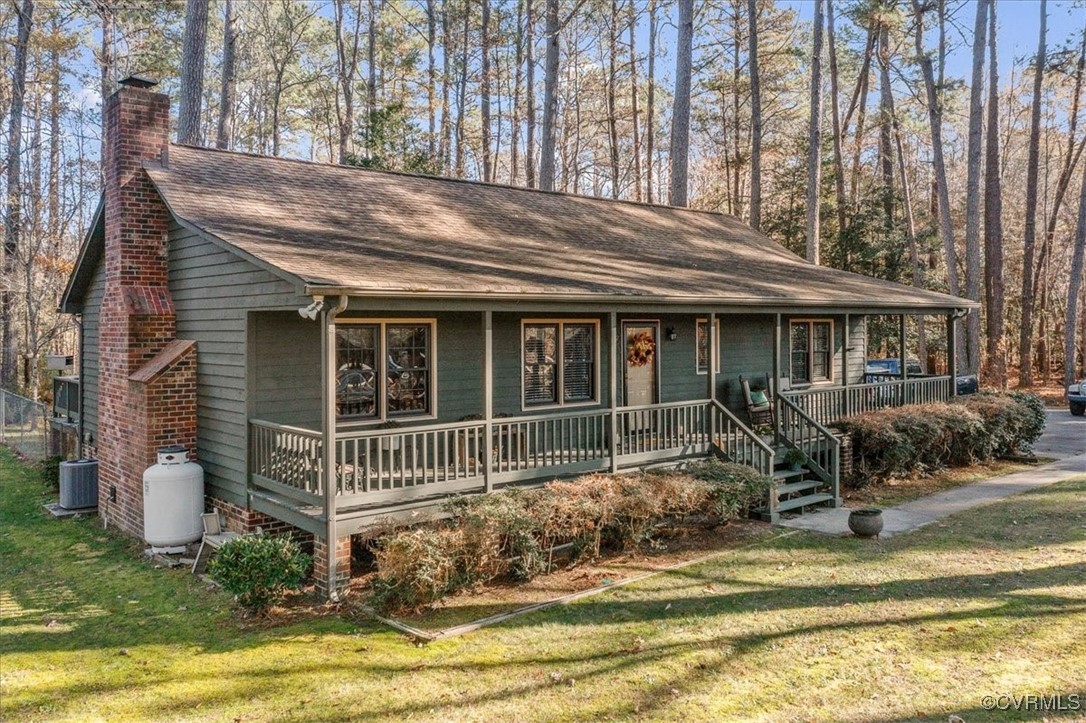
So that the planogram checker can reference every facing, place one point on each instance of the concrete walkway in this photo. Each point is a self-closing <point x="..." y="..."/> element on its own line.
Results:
<point x="1064" y="439"/>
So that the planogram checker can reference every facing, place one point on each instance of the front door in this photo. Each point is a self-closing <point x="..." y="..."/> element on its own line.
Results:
<point x="642" y="354"/>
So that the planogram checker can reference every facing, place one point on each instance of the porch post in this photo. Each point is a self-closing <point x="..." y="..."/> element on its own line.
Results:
<point x="952" y="354"/>
<point x="612" y="379"/>
<point x="713" y="343"/>
<point x="776" y="378"/>
<point x="328" y="444"/>
<point x="488" y="396"/>
<point x="846" y="336"/>
<point x="901" y="333"/>
<point x="904" y="361"/>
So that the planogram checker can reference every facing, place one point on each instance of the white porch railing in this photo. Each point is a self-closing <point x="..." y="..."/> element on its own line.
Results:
<point x="826" y="405"/>
<point x="798" y="430"/>
<point x="387" y="466"/>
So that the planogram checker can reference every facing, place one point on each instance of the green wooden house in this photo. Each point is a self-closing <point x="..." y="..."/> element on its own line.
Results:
<point x="368" y="343"/>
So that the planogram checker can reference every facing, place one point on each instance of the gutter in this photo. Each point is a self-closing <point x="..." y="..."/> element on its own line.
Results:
<point x="959" y="305"/>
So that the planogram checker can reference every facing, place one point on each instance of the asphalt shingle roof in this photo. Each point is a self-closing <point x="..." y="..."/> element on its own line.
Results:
<point x="380" y="232"/>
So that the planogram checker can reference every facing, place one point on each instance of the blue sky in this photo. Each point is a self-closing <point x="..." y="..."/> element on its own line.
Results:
<point x="1019" y="24"/>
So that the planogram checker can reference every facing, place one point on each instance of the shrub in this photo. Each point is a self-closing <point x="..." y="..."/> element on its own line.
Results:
<point x="511" y="534"/>
<point x="418" y="567"/>
<point x="50" y="471"/>
<point x="1015" y="420"/>
<point x="734" y="488"/>
<point x="924" y="438"/>
<point x="259" y="569"/>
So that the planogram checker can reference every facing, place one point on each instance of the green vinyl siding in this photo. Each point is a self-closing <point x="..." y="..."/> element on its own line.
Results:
<point x="213" y="292"/>
<point x="88" y="364"/>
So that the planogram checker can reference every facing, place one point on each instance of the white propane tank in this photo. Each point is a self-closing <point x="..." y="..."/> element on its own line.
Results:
<point x="173" y="499"/>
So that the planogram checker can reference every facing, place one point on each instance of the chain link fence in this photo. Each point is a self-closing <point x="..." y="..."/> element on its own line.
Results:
<point x="24" y="425"/>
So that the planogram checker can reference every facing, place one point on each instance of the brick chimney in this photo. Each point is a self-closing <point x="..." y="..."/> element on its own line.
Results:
<point x="147" y="379"/>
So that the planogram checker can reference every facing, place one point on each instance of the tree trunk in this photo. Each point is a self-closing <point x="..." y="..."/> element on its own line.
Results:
<point x="193" y="47"/>
<point x="650" y="111"/>
<point x="972" y="186"/>
<point x="886" y="154"/>
<point x="1074" y="149"/>
<point x="529" y="138"/>
<point x="347" y="62"/>
<point x="860" y="104"/>
<point x="1029" y="236"/>
<point x="445" y="145"/>
<point x="462" y="93"/>
<point x="996" y="351"/>
<point x="612" y="82"/>
<point x="228" y="92"/>
<point x="550" y="98"/>
<point x="56" y="133"/>
<point x="371" y="61"/>
<point x="935" y="118"/>
<point x="680" y="117"/>
<point x="484" y="91"/>
<point x="14" y="219"/>
<point x="632" y="17"/>
<point x="518" y="79"/>
<point x="1074" y="289"/>
<point x="106" y="60"/>
<point x="838" y="133"/>
<point x="431" y="78"/>
<point x="814" y="142"/>
<point x="739" y="143"/>
<point x="756" y="115"/>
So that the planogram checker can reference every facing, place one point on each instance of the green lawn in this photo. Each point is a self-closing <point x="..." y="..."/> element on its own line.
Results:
<point x="804" y="627"/>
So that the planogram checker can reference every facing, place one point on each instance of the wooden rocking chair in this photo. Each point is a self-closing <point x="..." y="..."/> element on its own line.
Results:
<point x="760" y="404"/>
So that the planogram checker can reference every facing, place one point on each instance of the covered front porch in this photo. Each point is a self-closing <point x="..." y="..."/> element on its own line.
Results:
<point x="368" y="460"/>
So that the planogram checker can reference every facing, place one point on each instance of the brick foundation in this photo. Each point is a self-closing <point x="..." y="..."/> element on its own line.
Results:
<point x="243" y="520"/>
<point x="343" y="566"/>
<point x="846" y="458"/>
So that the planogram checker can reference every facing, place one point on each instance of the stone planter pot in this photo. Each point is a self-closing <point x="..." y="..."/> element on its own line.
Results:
<point x="866" y="522"/>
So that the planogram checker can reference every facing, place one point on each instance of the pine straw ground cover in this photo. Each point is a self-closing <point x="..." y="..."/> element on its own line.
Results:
<point x="806" y="627"/>
<point x="898" y="490"/>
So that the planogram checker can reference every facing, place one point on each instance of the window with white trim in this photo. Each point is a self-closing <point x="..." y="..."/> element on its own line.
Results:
<point x="404" y="388"/>
<point x="811" y="351"/>
<point x="560" y="362"/>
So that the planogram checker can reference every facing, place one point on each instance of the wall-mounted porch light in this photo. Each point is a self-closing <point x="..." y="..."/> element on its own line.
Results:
<point x="672" y="335"/>
<point x="310" y="312"/>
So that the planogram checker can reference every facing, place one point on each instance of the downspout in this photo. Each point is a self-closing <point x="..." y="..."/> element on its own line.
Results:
<point x="80" y="432"/>
<point x="328" y="437"/>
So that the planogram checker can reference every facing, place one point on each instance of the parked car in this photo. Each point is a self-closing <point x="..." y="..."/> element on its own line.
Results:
<point x="968" y="384"/>
<point x="881" y="369"/>
<point x="892" y="367"/>
<point x="1076" y="398"/>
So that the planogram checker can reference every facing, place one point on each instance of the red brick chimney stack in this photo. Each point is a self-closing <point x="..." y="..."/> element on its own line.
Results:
<point x="147" y="379"/>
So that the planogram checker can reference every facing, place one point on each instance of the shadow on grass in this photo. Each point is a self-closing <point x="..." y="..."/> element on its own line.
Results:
<point x="36" y="587"/>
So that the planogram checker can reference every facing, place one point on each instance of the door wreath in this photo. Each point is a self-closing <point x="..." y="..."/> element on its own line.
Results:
<point x="642" y="348"/>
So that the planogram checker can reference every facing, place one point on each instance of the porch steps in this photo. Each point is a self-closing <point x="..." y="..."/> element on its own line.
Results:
<point x="800" y="502"/>
<point x="801" y="486"/>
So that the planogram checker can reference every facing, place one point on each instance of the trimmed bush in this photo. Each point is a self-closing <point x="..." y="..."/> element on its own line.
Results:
<point x="924" y="438"/>
<point x="259" y="569"/>
<point x="1015" y="420"/>
<point x="735" y="488"/>
<point x="511" y="534"/>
